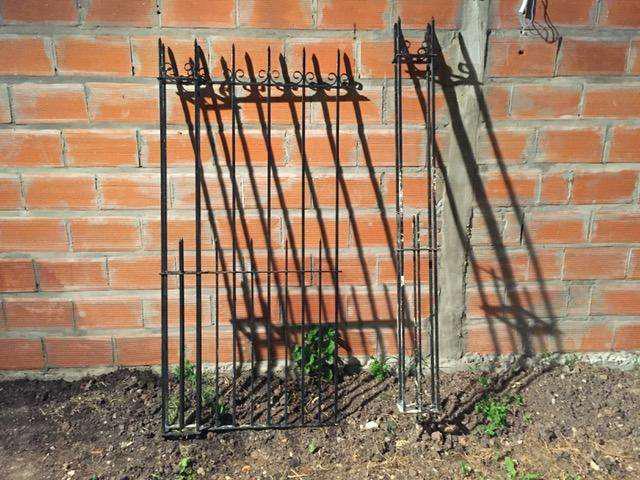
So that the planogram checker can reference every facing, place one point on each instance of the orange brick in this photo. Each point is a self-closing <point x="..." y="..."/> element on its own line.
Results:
<point x="39" y="103"/>
<point x="616" y="300"/>
<point x="366" y="109"/>
<point x="509" y="267"/>
<point x="616" y="228"/>
<point x="594" y="263"/>
<point x="378" y="149"/>
<point x="5" y="109"/>
<point x="545" y="101"/>
<point x="10" y="196"/>
<point x="316" y="231"/>
<point x="110" y="312"/>
<point x="143" y="350"/>
<point x="120" y="191"/>
<point x="21" y="354"/>
<point x="22" y="55"/>
<point x="26" y="148"/>
<point x="196" y="13"/>
<point x="556" y="227"/>
<point x="376" y="56"/>
<point x="619" y="13"/>
<point x="415" y="191"/>
<point x="514" y="189"/>
<point x="101" y="148"/>
<point x="612" y="102"/>
<point x="627" y="337"/>
<point x="213" y="191"/>
<point x="604" y="187"/>
<point x="144" y="52"/>
<point x="75" y="352"/>
<point x="68" y="192"/>
<point x="320" y="149"/>
<point x="17" y="275"/>
<point x="545" y="264"/>
<point x="593" y="57"/>
<point x="38" y="313"/>
<point x="104" y="234"/>
<point x="554" y="189"/>
<point x="36" y="11"/>
<point x="566" y="13"/>
<point x="103" y="55"/>
<point x="321" y="54"/>
<point x="354" y="192"/>
<point x="134" y="13"/>
<point x="152" y="311"/>
<point x="115" y="102"/>
<point x="134" y="273"/>
<point x="289" y="14"/>
<point x="576" y="145"/>
<point x="504" y="145"/>
<point x="625" y="142"/>
<point x="413" y="106"/>
<point x="375" y="230"/>
<point x="33" y="234"/>
<point x="521" y="57"/>
<point x="337" y="14"/>
<point x="377" y="306"/>
<point x="179" y="148"/>
<point x="418" y="14"/>
<point x="387" y="269"/>
<point x="596" y="338"/>
<point x="497" y="101"/>
<point x="247" y="48"/>
<point x="71" y="275"/>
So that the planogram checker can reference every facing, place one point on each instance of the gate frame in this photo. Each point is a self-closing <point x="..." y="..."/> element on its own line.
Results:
<point x="426" y="55"/>
<point x="197" y="76"/>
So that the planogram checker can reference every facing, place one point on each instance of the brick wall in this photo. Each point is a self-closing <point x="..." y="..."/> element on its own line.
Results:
<point x="554" y="234"/>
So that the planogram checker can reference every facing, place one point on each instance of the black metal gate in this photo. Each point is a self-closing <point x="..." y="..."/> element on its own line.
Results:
<point x="268" y="333"/>
<point x="412" y="359"/>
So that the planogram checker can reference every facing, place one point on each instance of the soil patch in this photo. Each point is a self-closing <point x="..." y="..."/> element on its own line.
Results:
<point x="557" y="421"/>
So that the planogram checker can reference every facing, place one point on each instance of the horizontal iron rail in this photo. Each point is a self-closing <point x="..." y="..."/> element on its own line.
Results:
<point x="248" y="272"/>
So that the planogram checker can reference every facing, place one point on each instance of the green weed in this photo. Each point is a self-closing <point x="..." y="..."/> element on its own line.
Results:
<point x="510" y="466"/>
<point x="185" y="469"/>
<point x="495" y="412"/>
<point x="379" y="369"/>
<point x="484" y="381"/>
<point x="465" y="469"/>
<point x="316" y="356"/>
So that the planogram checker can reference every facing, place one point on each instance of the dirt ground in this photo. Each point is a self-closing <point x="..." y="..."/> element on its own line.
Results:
<point x="563" y="421"/>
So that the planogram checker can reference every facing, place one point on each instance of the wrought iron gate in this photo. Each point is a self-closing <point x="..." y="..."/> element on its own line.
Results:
<point x="250" y="396"/>
<point x="271" y="364"/>
<point x="410" y="314"/>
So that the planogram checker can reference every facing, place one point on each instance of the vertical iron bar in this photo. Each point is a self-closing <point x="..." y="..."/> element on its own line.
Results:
<point x="337" y="240"/>
<point x="162" y="100"/>
<point x="303" y="283"/>
<point x="269" y="246"/>
<point x="320" y="326"/>
<point x="217" y="320"/>
<point x="198" y="232"/>
<point x="416" y="273"/>
<point x="399" y="214"/>
<point x="433" y="202"/>
<point x="419" y="317"/>
<point x="286" y="330"/>
<point x="234" y="246"/>
<point x="252" y="329"/>
<point x="182" y="356"/>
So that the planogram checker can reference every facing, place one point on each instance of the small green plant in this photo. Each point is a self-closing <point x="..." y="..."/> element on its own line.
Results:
<point x="379" y="369"/>
<point x="185" y="469"/>
<point x="484" y="381"/>
<point x="316" y="356"/>
<point x="527" y="418"/>
<point x="495" y="412"/>
<point x="512" y="472"/>
<point x="189" y="372"/>
<point x="312" y="447"/>
<point x="465" y="469"/>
